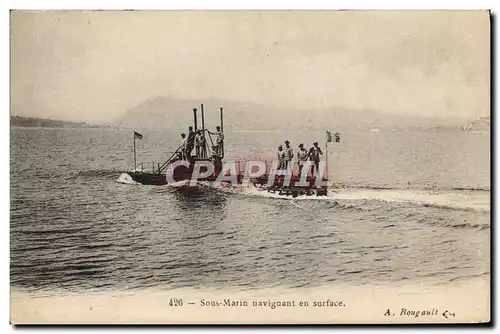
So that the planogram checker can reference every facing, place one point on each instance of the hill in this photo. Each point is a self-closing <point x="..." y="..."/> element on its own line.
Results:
<point x="169" y="113"/>
<point x="32" y="122"/>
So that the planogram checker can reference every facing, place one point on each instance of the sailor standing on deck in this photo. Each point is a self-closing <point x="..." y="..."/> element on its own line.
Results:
<point x="199" y="142"/>
<point x="288" y="153"/>
<point x="281" y="158"/>
<point x="190" y="142"/>
<point x="219" y="140"/>
<point x="183" y="146"/>
<point x="301" y="157"/>
<point x="314" y="154"/>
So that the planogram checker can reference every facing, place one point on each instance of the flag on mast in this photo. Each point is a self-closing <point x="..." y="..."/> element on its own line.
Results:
<point x="329" y="137"/>
<point x="137" y="135"/>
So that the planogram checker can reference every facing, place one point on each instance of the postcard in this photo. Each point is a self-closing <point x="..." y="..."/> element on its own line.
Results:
<point x="250" y="167"/>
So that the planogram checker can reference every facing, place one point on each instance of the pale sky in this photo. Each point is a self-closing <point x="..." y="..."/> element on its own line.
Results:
<point x="94" y="66"/>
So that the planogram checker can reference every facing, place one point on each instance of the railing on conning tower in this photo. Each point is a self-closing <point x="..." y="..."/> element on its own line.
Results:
<point x="207" y="151"/>
<point x="171" y="159"/>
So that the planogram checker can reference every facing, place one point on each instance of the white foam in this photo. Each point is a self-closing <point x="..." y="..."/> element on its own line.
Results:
<point x="126" y="179"/>
<point x="476" y="201"/>
<point x="182" y="183"/>
<point x="461" y="200"/>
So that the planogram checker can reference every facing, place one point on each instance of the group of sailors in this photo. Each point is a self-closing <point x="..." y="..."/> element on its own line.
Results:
<point x="285" y="155"/>
<point x="197" y="140"/>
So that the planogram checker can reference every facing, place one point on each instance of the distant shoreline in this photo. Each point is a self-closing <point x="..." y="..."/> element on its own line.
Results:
<point x="33" y="122"/>
<point x="103" y="127"/>
<point x="45" y="123"/>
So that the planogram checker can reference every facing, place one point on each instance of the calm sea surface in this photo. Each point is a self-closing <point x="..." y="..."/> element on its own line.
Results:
<point x="403" y="207"/>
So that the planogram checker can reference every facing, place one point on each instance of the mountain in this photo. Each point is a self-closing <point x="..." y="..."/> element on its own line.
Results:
<point x="31" y="122"/>
<point x="169" y="113"/>
<point x="164" y="112"/>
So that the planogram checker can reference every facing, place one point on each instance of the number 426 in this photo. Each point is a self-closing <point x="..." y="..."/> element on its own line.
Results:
<point x="175" y="302"/>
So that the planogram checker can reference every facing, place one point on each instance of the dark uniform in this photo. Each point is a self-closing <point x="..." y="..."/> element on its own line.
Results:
<point x="288" y="153"/>
<point x="190" y="142"/>
<point x="281" y="158"/>
<point x="314" y="153"/>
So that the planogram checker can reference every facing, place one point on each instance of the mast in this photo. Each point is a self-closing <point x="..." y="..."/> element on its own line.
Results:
<point x="194" y="116"/>
<point x="204" y="149"/>
<point x="221" y="120"/>
<point x="135" y="159"/>
<point x="326" y="167"/>
<point x="222" y="130"/>
<point x="202" y="119"/>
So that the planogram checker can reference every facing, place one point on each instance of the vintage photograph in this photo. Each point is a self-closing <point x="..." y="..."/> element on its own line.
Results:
<point x="250" y="167"/>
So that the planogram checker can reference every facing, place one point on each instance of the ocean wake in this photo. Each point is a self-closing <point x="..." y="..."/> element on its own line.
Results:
<point x="460" y="199"/>
<point x="454" y="200"/>
<point x="445" y="200"/>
